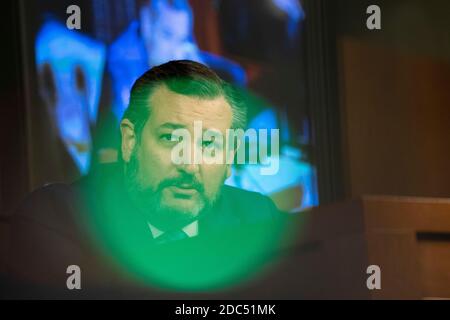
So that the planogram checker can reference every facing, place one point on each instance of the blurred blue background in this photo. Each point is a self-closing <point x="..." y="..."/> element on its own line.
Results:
<point x="85" y="76"/>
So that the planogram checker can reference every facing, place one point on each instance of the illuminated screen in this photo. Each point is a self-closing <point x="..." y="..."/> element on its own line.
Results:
<point x="85" y="76"/>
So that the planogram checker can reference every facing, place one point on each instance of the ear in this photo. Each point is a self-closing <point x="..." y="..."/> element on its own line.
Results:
<point x="128" y="139"/>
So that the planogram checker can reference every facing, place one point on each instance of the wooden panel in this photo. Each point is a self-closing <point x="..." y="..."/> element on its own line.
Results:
<point x="395" y="252"/>
<point x="409" y="238"/>
<point x="420" y="214"/>
<point x="395" y="120"/>
<point x="434" y="258"/>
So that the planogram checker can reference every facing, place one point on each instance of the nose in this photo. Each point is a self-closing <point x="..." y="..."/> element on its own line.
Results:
<point x="192" y="166"/>
<point x="189" y="168"/>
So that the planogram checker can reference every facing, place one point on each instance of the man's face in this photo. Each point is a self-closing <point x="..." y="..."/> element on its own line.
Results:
<point x="175" y="194"/>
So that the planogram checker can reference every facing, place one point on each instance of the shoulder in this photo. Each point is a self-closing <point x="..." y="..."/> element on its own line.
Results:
<point x="249" y="205"/>
<point x="46" y="201"/>
<point x="54" y="207"/>
<point x="44" y="235"/>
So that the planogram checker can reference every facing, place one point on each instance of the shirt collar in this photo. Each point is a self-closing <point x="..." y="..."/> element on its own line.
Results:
<point x="191" y="230"/>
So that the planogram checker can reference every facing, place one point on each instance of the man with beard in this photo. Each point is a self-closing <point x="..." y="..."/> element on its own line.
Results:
<point x="134" y="219"/>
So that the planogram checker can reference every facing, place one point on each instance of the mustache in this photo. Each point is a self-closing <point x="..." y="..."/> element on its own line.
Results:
<point x="187" y="181"/>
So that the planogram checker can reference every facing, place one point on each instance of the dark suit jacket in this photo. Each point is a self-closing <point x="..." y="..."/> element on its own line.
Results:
<point x="93" y="225"/>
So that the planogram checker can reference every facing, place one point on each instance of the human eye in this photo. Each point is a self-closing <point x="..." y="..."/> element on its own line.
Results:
<point x="169" y="138"/>
<point x="207" y="143"/>
<point x="165" y="137"/>
<point x="212" y="144"/>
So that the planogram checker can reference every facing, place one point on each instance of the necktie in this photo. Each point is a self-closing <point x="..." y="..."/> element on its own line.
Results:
<point x="171" y="236"/>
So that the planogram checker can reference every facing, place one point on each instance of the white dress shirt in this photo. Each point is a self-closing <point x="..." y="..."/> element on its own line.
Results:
<point x="191" y="230"/>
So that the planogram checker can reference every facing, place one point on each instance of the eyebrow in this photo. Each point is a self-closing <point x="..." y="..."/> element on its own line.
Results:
<point x="171" y="125"/>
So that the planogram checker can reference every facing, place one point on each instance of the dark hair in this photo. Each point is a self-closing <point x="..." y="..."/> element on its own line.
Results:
<point x="184" y="77"/>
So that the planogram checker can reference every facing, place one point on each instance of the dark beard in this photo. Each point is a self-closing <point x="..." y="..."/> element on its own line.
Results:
<point x="149" y="200"/>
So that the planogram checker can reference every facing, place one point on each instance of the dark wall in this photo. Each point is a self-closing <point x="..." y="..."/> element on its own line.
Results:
<point x="395" y="98"/>
<point x="13" y="164"/>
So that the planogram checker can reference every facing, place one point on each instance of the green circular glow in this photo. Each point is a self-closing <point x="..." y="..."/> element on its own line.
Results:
<point x="207" y="262"/>
<point x="227" y="257"/>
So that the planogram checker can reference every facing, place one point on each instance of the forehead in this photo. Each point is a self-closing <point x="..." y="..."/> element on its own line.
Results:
<point x="170" y="107"/>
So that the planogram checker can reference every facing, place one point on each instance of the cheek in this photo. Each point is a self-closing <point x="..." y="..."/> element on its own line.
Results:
<point x="154" y="162"/>
<point x="214" y="176"/>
